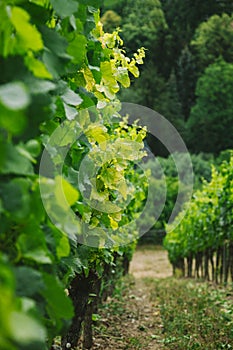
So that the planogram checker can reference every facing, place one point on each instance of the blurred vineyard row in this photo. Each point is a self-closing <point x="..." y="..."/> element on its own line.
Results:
<point x="202" y="244"/>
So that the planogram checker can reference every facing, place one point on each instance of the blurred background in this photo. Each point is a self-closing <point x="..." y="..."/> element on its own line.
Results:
<point x="187" y="77"/>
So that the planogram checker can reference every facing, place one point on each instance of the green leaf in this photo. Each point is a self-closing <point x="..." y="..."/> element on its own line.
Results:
<point x="37" y="67"/>
<point x="24" y="152"/>
<point x="108" y="77"/>
<point x="77" y="49"/>
<point x="33" y="147"/>
<point x="133" y="69"/>
<point x="15" y="162"/>
<point x="26" y="330"/>
<point x="111" y="177"/>
<point x="16" y="198"/>
<point x="28" y="281"/>
<point x="71" y="98"/>
<point x="64" y="135"/>
<point x="65" y="8"/>
<point x="97" y="133"/>
<point x="53" y="63"/>
<point x="14" y="122"/>
<point x="55" y="42"/>
<point x="71" y="112"/>
<point x="37" y="207"/>
<point x="64" y="192"/>
<point x="14" y="96"/>
<point x="31" y="245"/>
<point x="40" y="86"/>
<point x="58" y="305"/>
<point x="63" y="247"/>
<point x="123" y="77"/>
<point x="113" y="223"/>
<point x="96" y="317"/>
<point x="93" y="5"/>
<point x="122" y="188"/>
<point x="30" y="37"/>
<point x="127" y="149"/>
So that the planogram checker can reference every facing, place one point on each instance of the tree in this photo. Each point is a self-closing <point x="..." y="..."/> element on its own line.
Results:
<point x="114" y="5"/>
<point x="213" y="39"/>
<point x="111" y="21"/>
<point x="186" y="75"/>
<point x="210" y="126"/>
<point x="142" y="24"/>
<point x="183" y="17"/>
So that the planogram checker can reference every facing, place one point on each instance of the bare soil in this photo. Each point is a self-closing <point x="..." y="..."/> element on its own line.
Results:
<point x="151" y="262"/>
<point x="132" y="320"/>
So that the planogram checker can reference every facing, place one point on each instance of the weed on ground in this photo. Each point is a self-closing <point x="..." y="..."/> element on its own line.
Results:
<point x="195" y="315"/>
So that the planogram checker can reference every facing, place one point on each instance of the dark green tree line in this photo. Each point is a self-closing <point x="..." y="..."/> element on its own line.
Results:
<point x="182" y="39"/>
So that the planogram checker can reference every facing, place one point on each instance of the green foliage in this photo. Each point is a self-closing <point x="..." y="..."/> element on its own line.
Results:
<point x="213" y="40"/>
<point x="211" y="117"/>
<point x="194" y="315"/>
<point x="183" y="17"/>
<point x="56" y="61"/>
<point x="182" y="38"/>
<point x="163" y="100"/>
<point x="142" y="24"/>
<point x="202" y="168"/>
<point x="111" y="21"/>
<point x="186" y="74"/>
<point x="164" y="180"/>
<point x="208" y="222"/>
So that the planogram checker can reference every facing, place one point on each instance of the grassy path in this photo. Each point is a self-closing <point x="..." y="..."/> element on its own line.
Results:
<point x="131" y="319"/>
<point x="153" y="311"/>
<point x="195" y="315"/>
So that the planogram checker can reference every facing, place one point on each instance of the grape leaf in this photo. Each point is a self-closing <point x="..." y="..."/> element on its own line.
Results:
<point x="14" y="162"/>
<point x="59" y="306"/>
<point x="77" y="49"/>
<point x="65" y="192"/>
<point x="31" y="245"/>
<point x="28" y="281"/>
<point x="29" y="36"/>
<point x="14" y="95"/>
<point x="65" y="8"/>
<point x="16" y="198"/>
<point x="26" y="329"/>
<point x="71" y="98"/>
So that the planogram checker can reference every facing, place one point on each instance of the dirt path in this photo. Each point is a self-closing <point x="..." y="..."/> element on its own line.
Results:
<point x="150" y="262"/>
<point x="132" y="320"/>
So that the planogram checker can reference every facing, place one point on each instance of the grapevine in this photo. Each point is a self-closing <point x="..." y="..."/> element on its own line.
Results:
<point x="205" y="234"/>
<point x="60" y="73"/>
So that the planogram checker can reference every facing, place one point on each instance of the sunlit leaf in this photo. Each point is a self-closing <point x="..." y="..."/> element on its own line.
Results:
<point x="14" y="96"/>
<point x="77" y="49"/>
<point x="37" y="67"/>
<point x="29" y="36"/>
<point x="123" y="77"/>
<point x="26" y="329"/>
<point x="64" y="192"/>
<point x="71" y="98"/>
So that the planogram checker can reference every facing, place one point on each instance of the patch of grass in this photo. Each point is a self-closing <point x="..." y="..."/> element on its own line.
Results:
<point x="150" y="247"/>
<point x="124" y="323"/>
<point x="135" y="343"/>
<point x="195" y="315"/>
